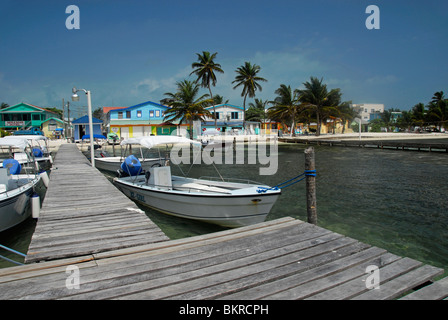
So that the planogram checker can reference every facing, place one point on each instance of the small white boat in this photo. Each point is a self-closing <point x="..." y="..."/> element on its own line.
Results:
<point x="16" y="189"/>
<point x="104" y="161"/>
<point x="39" y="149"/>
<point x="226" y="203"/>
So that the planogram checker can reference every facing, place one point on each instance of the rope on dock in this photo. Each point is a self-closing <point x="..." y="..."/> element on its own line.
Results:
<point x="13" y="251"/>
<point x="310" y="173"/>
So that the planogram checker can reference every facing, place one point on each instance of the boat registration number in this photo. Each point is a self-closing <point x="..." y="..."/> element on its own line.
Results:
<point x="137" y="196"/>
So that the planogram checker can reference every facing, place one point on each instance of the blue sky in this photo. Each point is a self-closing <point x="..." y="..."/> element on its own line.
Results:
<point x="128" y="52"/>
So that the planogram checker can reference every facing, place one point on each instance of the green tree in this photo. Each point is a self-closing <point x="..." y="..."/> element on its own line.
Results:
<point x="217" y="99"/>
<point x="405" y="121"/>
<point x="185" y="105"/>
<point x="205" y="69"/>
<point x="286" y="106"/>
<point x="347" y="113"/>
<point x="418" y="115"/>
<point x="438" y="109"/>
<point x="247" y="77"/>
<point x="317" y="97"/>
<point x="256" y="111"/>
<point x="56" y="110"/>
<point x="4" y="105"/>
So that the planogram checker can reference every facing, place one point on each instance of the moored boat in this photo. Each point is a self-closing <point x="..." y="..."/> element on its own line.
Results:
<point x="16" y="189"/>
<point x="229" y="203"/>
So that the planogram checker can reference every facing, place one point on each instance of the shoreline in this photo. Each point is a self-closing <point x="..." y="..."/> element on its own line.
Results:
<point x="373" y="136"/>
<point x="367" y="136"/>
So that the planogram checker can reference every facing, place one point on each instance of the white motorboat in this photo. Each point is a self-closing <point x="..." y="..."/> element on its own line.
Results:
<point x="104" y="161"/>
<point x="229" y="203"/>
<point x="16" y="189"/>
<point x="39" y="148"/>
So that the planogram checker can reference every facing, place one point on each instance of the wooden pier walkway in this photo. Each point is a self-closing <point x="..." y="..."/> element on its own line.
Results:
<point x="116" y="253"/>
<point x="279" y="259"/>
<point x="379" y="144"/>
<point x="84" y="213"/>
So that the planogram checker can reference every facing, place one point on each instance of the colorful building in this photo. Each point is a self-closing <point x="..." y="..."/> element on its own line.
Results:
<point x="53" y="128"/>
<point x="81" y="127"/>
<point x="143" y="119"/>
<point x="24" y="115"/>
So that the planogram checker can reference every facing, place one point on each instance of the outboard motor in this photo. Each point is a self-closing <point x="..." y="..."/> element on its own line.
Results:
<point x="131" y="166"/>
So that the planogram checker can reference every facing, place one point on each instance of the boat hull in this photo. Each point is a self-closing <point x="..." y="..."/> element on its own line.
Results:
<point x="228" y="210"/>
<point x="15" y="205"/>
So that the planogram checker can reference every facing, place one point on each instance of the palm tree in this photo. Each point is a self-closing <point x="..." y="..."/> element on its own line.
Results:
<point x="205" y="69"/>
<point x="418" y="114"/>
<point x="347" y="113"/>
<point x="217" y="99"/>
<point x="247" y="77"/>
<point x="185" y="106"/>
<point x="316" y="96"/>
<point x="256" y="111"/>
<point x="286" y="105"/>
<point x="438" y="108"/>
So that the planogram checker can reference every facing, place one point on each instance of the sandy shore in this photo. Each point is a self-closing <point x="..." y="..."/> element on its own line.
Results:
<point x="376" y="136"/>
<point x="55" y="144"/>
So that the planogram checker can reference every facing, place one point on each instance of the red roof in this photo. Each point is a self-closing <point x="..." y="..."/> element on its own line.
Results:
<point x="107" y="109"/>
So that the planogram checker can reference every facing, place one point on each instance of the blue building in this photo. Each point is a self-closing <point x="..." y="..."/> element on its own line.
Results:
<point x="81" y="127"/>
<point x="143" y="119"/>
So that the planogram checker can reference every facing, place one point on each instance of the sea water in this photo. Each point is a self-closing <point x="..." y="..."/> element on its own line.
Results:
<point x="393" y="199"/>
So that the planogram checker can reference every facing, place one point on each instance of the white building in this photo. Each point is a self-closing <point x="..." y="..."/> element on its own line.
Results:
<point x="369" y="111"/>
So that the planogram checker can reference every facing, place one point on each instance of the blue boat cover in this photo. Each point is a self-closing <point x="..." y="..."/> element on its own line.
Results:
<point x="13" y="165"/>
<point x="38" y="153"/>
<point x="131" y="166"/>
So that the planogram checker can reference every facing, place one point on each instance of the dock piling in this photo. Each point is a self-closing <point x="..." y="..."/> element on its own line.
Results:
<point x="311" y="206"/>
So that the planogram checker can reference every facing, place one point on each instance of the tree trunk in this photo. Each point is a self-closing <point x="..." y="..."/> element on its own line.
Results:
<point x="244" y="114"/>
<point x="213" y="103"/>
<point x="318" y="123"/>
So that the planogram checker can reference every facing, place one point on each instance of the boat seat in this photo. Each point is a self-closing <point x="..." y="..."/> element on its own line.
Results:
<point x="197" y="187"/>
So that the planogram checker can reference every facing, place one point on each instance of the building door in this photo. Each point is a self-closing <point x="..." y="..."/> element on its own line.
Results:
<point x="124" y="132"/>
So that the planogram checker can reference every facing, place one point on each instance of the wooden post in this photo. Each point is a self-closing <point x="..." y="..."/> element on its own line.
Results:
<point x="310" y="186"/>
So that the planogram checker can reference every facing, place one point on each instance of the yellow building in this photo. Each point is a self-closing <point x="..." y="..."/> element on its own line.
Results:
<point x="53" y="128"/>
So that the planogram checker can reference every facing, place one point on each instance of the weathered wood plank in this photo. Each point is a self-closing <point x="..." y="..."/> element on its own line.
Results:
<point x="399" y="285"/>
<point x="83" y="213"/>
<point x="435" y="291"/>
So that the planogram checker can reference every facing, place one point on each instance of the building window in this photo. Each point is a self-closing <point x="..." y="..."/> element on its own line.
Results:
<point x="217" y="115"/>
<point x="157" y="113"/>
<point x="234" y="115"/>
<point x="36" y="116"/>
<point x="139" y="113"/>
<point x="120" y="114"/>
<point x="128" y="114"/>
<point x="151" y="114"/>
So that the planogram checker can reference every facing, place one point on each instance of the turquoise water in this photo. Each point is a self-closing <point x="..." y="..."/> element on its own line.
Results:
<point x="396" y="200"/>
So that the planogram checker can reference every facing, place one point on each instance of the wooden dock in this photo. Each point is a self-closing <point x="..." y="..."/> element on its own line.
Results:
<point x="116" y="253"/>
<point x="279" y="259"/>
<point x="379" y="144"/>
<point x="84" y="213"/>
